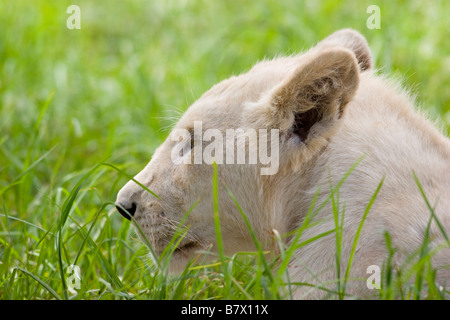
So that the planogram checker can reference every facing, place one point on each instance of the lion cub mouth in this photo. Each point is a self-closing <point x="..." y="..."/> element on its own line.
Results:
<point x="187" y="247"/>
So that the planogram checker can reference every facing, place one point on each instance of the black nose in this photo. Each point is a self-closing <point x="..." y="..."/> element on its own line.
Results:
<point x="128" y="212"/>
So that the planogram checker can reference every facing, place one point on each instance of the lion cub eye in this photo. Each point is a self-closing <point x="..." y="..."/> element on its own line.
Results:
<point x="191" y="132"/>
<point x="186" y="148"/>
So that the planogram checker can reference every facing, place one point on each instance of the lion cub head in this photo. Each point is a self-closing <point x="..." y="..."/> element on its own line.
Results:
<point x="263" y="129"/>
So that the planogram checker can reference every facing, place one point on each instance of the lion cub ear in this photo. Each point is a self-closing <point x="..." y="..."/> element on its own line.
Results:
<point x="352" y="40"/>
<point x="309" y="103"/>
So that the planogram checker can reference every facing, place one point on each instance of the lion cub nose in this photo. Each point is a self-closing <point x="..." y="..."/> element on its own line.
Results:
<point x="128" y="212"/>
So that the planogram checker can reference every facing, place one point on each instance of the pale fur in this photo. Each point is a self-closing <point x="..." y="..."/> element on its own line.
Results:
<point x="378" y="122"/>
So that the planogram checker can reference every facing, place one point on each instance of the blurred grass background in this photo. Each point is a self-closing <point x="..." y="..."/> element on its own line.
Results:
<point x="72" y="98"/>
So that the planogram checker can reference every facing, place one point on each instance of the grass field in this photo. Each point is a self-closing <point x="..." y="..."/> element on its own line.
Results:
<point x="72" y="100"/>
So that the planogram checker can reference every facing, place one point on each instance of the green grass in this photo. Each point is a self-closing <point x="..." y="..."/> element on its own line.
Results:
<point x="73" y="100"/>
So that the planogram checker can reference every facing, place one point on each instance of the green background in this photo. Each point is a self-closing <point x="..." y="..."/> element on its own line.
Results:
<point x="70" y="99"/>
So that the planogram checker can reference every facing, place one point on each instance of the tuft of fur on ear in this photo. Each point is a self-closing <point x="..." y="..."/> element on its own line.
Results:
<point x="314" y="97"/>
<point x="352" y="40"/>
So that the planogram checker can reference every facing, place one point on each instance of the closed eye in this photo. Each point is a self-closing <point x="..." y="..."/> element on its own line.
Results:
<point x="191" y="132"/>
<point x="189" y="140"/>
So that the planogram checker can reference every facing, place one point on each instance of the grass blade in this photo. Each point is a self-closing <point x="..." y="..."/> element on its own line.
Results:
<point x="254" y="238"/>
<point x="131" y="178"/>
<point x="219" y="240"/>
<point x="358" y="233"/>
<point x="42" y="283"/>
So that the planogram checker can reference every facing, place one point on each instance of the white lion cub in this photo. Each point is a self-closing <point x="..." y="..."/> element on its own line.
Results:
<point x="329" y="111"/>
